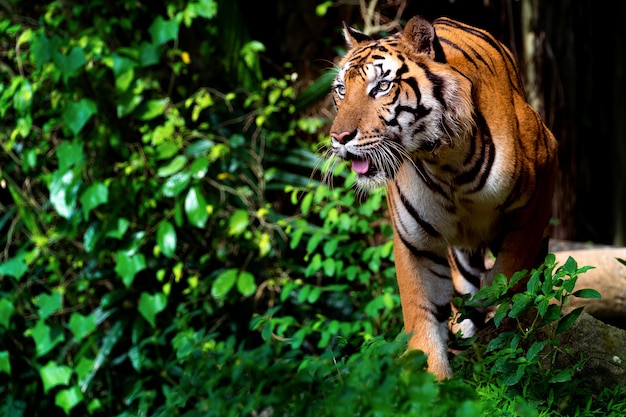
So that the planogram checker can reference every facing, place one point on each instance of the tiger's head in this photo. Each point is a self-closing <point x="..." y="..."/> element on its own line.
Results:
<point x="395" y="98"/>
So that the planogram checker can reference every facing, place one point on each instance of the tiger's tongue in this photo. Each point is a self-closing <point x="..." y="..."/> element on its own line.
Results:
<point x="359" y="166"/>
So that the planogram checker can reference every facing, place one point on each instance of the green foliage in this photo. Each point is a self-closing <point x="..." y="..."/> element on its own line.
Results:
<point x="521" y="358"/>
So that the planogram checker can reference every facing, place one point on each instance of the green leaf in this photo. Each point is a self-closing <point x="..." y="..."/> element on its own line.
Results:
<point x="76" y="115"/>
<point x="149" y="54"/>
<point x="522" y="302"/>
<point x="566" y="321"/>
<point x="587" y="293"/>
<point x="534" y="350"/>
<point x="166" y="239"/>
<point x="49" y="304"/>
<point x="95" y="195"/>
<point x="5" y="362"/>
<point x="120" y="229"/>
<point x="54" y="375"/>
<point x="70" y="63"/>
<point x="69" y="154"/>
<point x="163" y="31"/>
<point x="195" y="208"/>
<point x="68" y="398"/>
<point x="45" y="337"/>
<point x="238" y="222"/>
<point x="81" y="326"/>
<point x="175" y="184"/>
<point x="15" y="267"/>
<point x="127" y="266"/>
<point x="150" y="109"/>
<point x="246" y="284"/>
<point x="63" y="189"/>
<point x="223" y="283"/>
<point x="570" y="266"/>
<point x="6" y="311"/>
<point x="174" y="166"/>
<point x="23" y="97"/>
<point x="564" y="375"/>
<point x="151" y="305"/>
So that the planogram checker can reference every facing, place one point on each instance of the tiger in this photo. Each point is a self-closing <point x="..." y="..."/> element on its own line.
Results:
<point x="436" y="114"/>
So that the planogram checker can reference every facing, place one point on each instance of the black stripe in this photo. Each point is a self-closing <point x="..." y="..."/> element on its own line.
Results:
<point x="461" y="50"/>
<point x="442" y="312"/>
<point x="467" y="275"/>
<point x="427" y="227"/>
<point x="438" y="83"/>
<point x="424" y="254"/>
<point x="429" y="181"/>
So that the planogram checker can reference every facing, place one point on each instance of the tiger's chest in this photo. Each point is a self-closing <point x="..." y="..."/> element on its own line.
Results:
<point x="427" y="208"/>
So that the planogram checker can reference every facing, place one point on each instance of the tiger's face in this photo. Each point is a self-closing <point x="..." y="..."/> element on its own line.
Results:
<point x="392" y="104"/>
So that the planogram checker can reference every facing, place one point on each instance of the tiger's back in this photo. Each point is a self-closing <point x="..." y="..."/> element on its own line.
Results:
<point x="438" y="115"/>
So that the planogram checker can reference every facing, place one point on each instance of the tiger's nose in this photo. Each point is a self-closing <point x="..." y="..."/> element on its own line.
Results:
<point x="342" y="137"/>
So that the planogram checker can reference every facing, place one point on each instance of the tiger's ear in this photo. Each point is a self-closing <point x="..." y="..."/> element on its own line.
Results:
<point x="420" y="33"/>
<point x="354" y="37"/>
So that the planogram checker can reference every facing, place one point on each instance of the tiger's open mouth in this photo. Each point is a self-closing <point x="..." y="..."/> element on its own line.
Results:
<point x="363" y="167"/>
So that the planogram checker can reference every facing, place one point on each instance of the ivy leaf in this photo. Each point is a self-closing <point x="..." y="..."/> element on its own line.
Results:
<point x="15" y="267"/>
<point x="195" y="208"/>
<point x="166" y="239"/>
<point x="54" y="375"/>
<point x="45" y="337"/>
<point x="49" y="303"/>
<point x="95" y="195"/>
<point x="68" y="398"/>
<point x="70" y="63"/>
<point x="162" y="30"/>
<point x="151" y="305"/>
<point x="127" y="266"/>
<point x="81" y="325"/>
<point x="69" y="154"/>
<point x="76" y="115"/>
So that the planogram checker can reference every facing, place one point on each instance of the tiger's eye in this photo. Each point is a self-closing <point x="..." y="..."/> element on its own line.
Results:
<point x="383" y="86"/>
<point x="340" y="89"/>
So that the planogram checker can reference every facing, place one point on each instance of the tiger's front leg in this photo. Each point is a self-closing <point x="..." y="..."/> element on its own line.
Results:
<point x="425" y="293"/>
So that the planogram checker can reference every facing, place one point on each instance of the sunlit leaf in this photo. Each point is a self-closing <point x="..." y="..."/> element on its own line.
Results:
<point x="238" y="222"/>
<point x="53" y="375"/>
<point x="246" y="284"/>
<point x="195" y="208"/>
<point x="167" y="239"/>
<point x="6" y="311"/>
<point x="174" y="166"/>
<point x="127" y="266"/>
<point x="45" y="337"/>
<point x="68" y="398"/>
<point x="150" y="109"/>
<point x="81" y="326"/>
<point x="224" y="282"/>
<point x="63" y="188"/>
